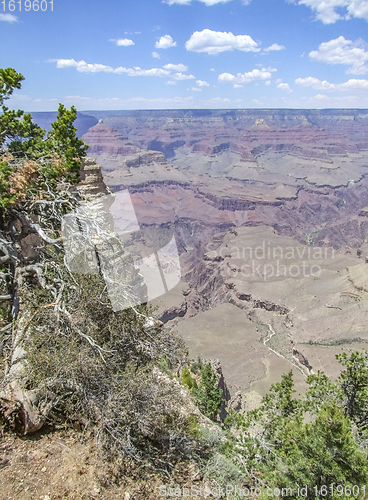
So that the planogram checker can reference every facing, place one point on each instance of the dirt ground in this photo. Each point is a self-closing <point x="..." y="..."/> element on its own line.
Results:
<point x="65" y="465"/>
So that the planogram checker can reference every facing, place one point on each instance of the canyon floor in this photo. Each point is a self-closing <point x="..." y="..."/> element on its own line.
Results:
<point x="269" y="212"/>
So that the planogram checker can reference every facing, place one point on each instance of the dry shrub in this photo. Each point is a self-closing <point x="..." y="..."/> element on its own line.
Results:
<point x="88" y="364"/>
<point x="20" y="180"/>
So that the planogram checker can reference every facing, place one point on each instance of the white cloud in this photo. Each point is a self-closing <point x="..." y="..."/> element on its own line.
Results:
<point x="256" y="74"/>
<point x="268" y="82"/>
<point x="156" y="55"/>
<point x="176" y="67"/>
<point x="84" y="67"/>
<point x="326" y="9"/>
<point x="284" y="86"/>
<point x="202" y="83"/>
<point x="320" y="97"/>
<point x="353" y="84"/>
<point x="171" y="82"/>
<point x="216" y="100"/>
<point x="180" y="76"/>
<point x="197" y="90"/>
<point x="214" y="42"/>
<point x="166" y="71"/>
<point x="274" y="46"/>
<point x="358" y="8"/>
<point x="137" y="71"/>
<point x="165" y="42"/>
<point x="123" y="42"/>
<point x="310" y="81"/>
<point x="8" y="18"/>
<point x="350" y="101"/>
<point x="237" y="86"/>
<point x="342" y="51"/>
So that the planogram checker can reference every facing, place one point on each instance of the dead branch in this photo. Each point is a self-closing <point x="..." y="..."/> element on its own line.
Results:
<point x="43" y="235"/>
<point x="10" y="253"/>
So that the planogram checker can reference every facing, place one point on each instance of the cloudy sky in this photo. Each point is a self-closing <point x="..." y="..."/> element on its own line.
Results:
<point x="149" y="54"/>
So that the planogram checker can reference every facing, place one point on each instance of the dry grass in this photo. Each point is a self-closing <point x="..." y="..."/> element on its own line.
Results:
<point x="66" y="464"/>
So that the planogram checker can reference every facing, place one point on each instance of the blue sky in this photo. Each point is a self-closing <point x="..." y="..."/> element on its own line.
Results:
<point x="153" y="54"/>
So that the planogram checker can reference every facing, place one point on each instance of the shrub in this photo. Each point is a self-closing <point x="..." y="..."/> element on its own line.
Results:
<point x="208" y="395"/>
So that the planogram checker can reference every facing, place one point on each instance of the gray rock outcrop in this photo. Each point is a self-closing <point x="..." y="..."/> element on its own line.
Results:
<point x="92" y="183"/>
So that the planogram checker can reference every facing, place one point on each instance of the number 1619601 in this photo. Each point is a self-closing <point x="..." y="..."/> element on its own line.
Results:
<point x="27" y="5"/>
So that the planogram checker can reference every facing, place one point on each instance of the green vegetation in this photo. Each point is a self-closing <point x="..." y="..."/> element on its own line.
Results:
<point x="30" y="159"/>
<point x="61" y="140"/>
<point x="187" y="379"/>
<point x="314" y="441"/>
<point x="329" y="343"/>
<point x="209" y="396"/>
<point x="17" y="129"/>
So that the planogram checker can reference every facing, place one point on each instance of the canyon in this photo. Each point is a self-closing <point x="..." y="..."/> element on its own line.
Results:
<point x="269" y="209"/>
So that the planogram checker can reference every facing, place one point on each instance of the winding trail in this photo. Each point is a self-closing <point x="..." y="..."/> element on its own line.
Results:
<point x="277" y="353"/>
<point x="269" y="338"/>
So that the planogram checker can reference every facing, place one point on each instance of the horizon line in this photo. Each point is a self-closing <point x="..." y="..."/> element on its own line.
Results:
<point x="206" y="109"/>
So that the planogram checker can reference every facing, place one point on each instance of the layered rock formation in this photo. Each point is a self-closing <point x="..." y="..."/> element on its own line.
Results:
<point x="227" y="181"/>
<point x="308" y="133"/>
<point x="302" y="171"/>
<point x="91" y="183"/>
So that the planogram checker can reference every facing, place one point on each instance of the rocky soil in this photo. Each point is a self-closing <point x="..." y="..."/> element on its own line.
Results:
<point x="60" y="464"/>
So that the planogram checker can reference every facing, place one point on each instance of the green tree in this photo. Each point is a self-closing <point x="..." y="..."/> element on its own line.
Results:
<point x="208" y="395"/>
<point x="354" y="385"/>
<point x="17" y="129"/>
<point x="63" y="141"/>
<point x="6" y="197"/>
<point x="322" y="390"/>
<point x="290" y="441"/>
<point x="349" y="391"/>
<point x="31" y="160"/>
<point x="319" y="453"/>
<point x="279" y="401"/>
<point x="9" y="80"/>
